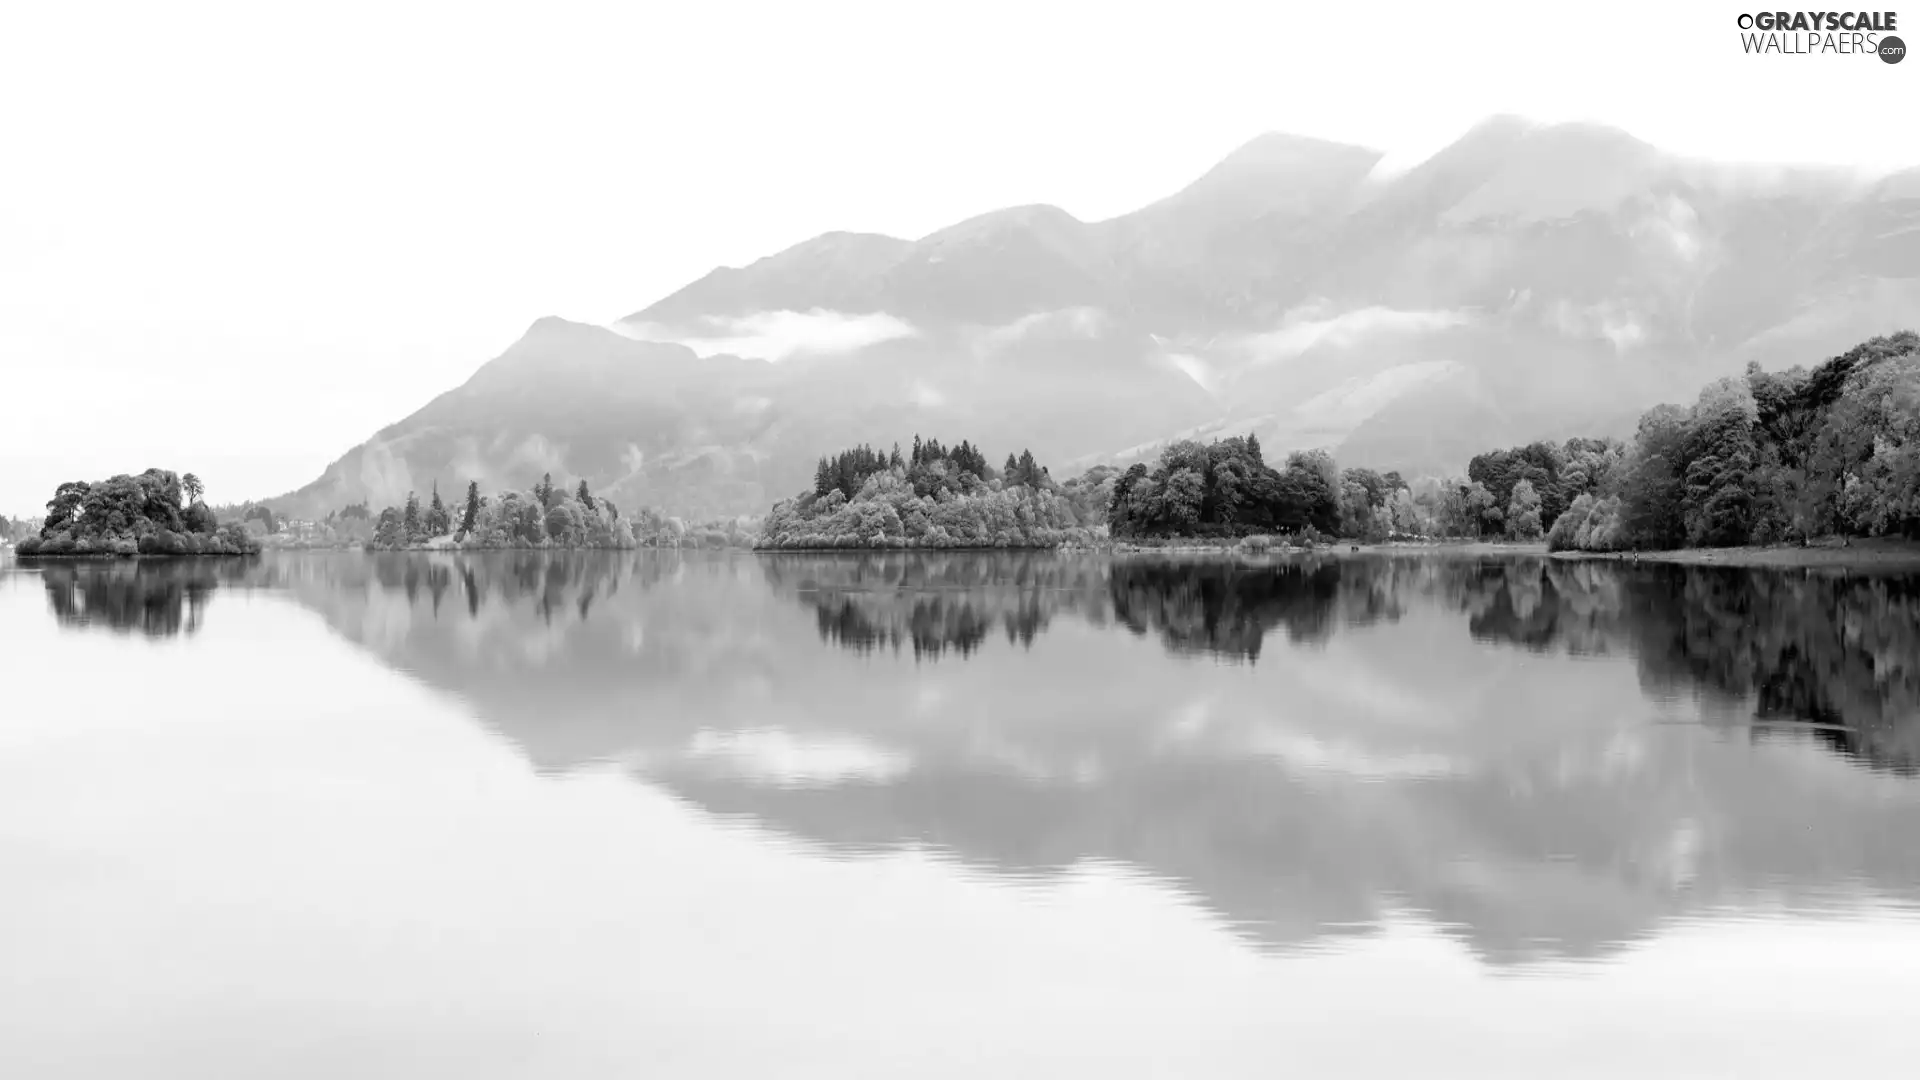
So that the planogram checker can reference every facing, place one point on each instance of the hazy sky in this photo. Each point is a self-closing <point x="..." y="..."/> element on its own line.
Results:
<point x="240" y="239"/>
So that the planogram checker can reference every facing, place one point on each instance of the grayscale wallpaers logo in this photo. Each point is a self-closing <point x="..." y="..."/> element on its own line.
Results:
<point x="1821" y="33"/>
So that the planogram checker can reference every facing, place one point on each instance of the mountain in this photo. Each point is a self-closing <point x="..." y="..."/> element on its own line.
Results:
<point x="1529" y="280"/>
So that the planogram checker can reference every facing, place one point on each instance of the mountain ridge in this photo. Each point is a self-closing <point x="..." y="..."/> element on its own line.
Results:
<point x="1527" y="280"/>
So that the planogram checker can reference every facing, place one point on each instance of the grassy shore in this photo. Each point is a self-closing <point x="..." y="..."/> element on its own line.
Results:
<point x="1859" y="555"/>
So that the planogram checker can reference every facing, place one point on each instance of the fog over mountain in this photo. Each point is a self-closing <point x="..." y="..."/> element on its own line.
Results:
<point x="1529" y="280"/>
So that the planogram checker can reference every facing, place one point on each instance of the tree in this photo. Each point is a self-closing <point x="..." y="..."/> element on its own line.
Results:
<point x="1404" y="514"/>
<point x="564" y="523"/>
<point x="193" y="487"/>
<point x="585" y="496"/>
<point x="391" y="530"/>
<point x="544" y="490"/>
<point x="200" y="520"/>
<point x="410" y="518"/>
<point x="1455" y="513"/>
<point x="1030" y="471"/>
<point x="472" y="512"/>
<point x="1484" y="511"/>
<point x="439" y="522"/>
<point x="1523" y="512"/>
<point x="65" y="505"/>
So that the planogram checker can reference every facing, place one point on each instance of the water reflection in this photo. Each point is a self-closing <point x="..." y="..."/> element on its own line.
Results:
<point x="936" y="602"/>
<point x="153" y="598"/>
<point x="1548" y="759"/>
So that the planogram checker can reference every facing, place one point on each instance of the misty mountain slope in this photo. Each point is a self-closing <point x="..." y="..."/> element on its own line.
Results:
<point x="1527" y="281"/>
<point x="835" y="271"/>
<point x="574" y="401"/>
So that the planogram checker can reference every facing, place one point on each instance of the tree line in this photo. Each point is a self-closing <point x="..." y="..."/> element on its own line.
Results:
<point x="1765" y="458"/>
<point x="548" y="515"/>
<point x="1769" y="458"/>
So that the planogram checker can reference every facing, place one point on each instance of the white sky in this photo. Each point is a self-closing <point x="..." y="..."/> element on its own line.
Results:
<point x="240" y="239"/>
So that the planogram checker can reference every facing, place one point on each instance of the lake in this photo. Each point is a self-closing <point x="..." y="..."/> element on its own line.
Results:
<point x="956" y="815"/>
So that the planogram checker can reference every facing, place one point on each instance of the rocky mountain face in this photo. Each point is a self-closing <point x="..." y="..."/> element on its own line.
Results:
<point x="1527" y="281"/>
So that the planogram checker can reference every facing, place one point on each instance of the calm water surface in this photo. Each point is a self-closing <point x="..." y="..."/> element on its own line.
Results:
<point x="955" y="816"/>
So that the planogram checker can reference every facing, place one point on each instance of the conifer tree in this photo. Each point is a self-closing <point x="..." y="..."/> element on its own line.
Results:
<point x="439" y="522"/>
<point x="472" y="512"/>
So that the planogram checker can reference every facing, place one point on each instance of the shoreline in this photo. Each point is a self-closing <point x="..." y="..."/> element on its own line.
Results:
<point x="102" y="556"/>
<point x="1867" y="554"/>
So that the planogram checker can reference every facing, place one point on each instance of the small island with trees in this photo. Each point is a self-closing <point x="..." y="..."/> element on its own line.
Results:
<point x="158" y="512"/>
<point x="931" y="497"/>
<point x="547" y="516"/>
<point x="544" y="517"/>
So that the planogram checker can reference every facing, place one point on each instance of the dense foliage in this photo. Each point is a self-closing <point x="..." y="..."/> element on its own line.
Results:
<point x="930" y="468"/>
<point x="1768" y="458"/>
<point x="146" y="514"/>
<point x="545" y="517"/>
<point x="1226" y="489"/>
<point x="933" y="498"/>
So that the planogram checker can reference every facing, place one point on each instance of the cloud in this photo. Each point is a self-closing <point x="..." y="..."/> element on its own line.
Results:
<point x="1357" y="398"/>
<point x="777" y="335"/>
<point x="539" y="452"/>
<point x="1677" y="224"/>
<point x="773" y="755"/>
<point x="1312" y="325"/>
<point x="1196" y="369"/>
<point x="926" y="395"/>
<point x="1612" y="321"/>
<point x="1079" y="322"/>
<point x="1312" y="755"/>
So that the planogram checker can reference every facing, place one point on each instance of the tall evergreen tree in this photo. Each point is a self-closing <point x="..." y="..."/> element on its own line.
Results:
<point x="438" y="520"/>
<point x="472" y="512"/>
<point x="585" y="496"/>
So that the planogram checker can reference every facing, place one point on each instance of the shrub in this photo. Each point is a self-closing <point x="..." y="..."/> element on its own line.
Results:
<point x="30" y="546"/>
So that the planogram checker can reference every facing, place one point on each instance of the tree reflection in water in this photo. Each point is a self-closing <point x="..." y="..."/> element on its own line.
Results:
<point x="154" y="598"/>
<point x="1483" y="741"/>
